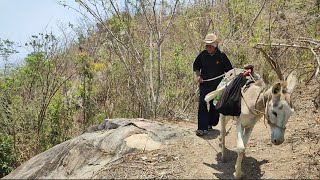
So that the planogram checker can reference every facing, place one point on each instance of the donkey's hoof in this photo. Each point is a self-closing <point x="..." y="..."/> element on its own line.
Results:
<point x="237" y="175"/>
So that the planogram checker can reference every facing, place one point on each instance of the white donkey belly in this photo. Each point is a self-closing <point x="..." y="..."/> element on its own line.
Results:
<point x="246" y="120"/>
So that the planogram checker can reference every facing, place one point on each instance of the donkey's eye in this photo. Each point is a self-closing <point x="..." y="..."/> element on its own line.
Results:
<point x="274" y="113"/>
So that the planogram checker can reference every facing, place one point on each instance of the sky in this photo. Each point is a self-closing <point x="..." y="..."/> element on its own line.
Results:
<point x="20" y="19"/>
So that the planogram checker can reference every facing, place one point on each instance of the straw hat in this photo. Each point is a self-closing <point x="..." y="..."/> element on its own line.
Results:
<point x="212" y="39"/>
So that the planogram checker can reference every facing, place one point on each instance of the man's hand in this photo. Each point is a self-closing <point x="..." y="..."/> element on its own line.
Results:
<point x="199" y="79"/>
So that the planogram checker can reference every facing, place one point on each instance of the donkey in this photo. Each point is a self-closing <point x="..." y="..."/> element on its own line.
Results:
<point x="274" y="103"/>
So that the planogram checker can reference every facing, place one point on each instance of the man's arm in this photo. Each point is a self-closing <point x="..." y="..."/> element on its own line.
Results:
<point x="197" y="67"/>
<point x="198" y="76"/>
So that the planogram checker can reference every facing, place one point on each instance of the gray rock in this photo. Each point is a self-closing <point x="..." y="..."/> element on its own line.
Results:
<point x="98" y="147"/>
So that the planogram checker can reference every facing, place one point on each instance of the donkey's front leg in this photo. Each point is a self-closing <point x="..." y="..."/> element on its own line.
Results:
<point x="246" y="136"/>
<point x="240" y="148"/>
<point x="223" y="123"/>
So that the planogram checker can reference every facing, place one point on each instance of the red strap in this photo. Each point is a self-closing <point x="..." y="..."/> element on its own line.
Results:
<point x="246" y="73"/>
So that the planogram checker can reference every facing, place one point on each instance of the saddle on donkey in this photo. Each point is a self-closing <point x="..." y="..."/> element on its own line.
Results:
<point x="228" y="95"/>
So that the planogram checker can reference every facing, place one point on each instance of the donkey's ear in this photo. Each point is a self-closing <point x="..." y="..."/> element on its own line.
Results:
<point x="291" y="81"/>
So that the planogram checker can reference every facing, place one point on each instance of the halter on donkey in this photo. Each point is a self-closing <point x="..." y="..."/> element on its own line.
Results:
<point x="273" y="103"/>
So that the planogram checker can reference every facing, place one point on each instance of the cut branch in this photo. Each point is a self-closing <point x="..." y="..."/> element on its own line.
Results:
<point x="312" y="49"/>
<point x="274" y="64"/>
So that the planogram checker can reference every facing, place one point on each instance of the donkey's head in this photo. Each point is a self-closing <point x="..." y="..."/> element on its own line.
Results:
<point x="280" y="108"/>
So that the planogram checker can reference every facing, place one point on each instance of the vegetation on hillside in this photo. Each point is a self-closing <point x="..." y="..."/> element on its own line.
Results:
<point x="134" y="59"/>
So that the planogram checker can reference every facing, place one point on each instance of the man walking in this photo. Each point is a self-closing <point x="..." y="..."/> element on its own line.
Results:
<point x="209" y="66"/>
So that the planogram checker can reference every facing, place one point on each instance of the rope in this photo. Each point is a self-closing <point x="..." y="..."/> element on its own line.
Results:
<point x="266" y="110"/>
<point x="258" y="112"/>
<point x="263" y="113"/>
<point x="255" y="109"/>
<point x="214" y="78"/>
<point x="252" y="77"/>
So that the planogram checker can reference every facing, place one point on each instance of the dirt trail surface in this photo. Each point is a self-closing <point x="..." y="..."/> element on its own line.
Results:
<point x="138" y="148"/>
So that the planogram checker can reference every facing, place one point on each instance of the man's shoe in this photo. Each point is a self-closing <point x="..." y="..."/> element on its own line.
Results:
<point x="201" y="132"/>
<point x="210" y="128"/>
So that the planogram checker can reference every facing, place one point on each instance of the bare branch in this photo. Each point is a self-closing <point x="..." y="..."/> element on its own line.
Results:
<point x="170" y="21"/>
<point x="155" y="15"/>
<point x="318" y="61"/>
<point x="256" y="17"/>
<point x="316" y="71"/>
<point x="274" y="64"/>
<point x="132" y="44"/>
<point x="313" y="50"/>
<point x="231" y="19"/>
<point x="309" y="40"/>
<point x="284" y="45"/>
<point x="147" y="19"/>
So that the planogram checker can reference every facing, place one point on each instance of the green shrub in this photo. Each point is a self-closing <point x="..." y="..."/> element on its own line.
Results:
<point x="7" y="157"/>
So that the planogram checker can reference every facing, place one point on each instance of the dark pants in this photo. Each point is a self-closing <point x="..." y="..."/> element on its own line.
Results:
<point x="205" y="117"/>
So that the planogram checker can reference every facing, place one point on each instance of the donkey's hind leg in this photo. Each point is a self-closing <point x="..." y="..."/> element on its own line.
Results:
<point x="223" y="123"/>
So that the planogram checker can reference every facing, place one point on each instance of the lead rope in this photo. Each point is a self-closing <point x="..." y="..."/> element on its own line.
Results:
<point x="259" y="112"/>
<point x="214" y="78"/>
<point x="266" y="106"/>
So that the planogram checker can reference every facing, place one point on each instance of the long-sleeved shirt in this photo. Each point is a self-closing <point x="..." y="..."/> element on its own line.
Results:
<point x="211" y="66"/>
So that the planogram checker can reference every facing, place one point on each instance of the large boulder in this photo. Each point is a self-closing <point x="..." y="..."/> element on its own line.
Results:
<point x="99" y="152"/>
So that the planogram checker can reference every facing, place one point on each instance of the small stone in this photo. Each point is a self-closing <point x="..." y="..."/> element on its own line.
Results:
<point x="144" y="158"/>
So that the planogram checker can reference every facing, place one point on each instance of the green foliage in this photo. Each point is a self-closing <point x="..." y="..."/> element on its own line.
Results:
<point x="242" y="57"/>
<point x="7" y="156"/>
<point x="115" y="24"/>
<point x="54" y="116"/>
<point x="179" y="65"/>
<point x="34" y="59"/>
<point x="45" y="43"/>
<point x="7" y="48"/>
<point x="7" y="83"/>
